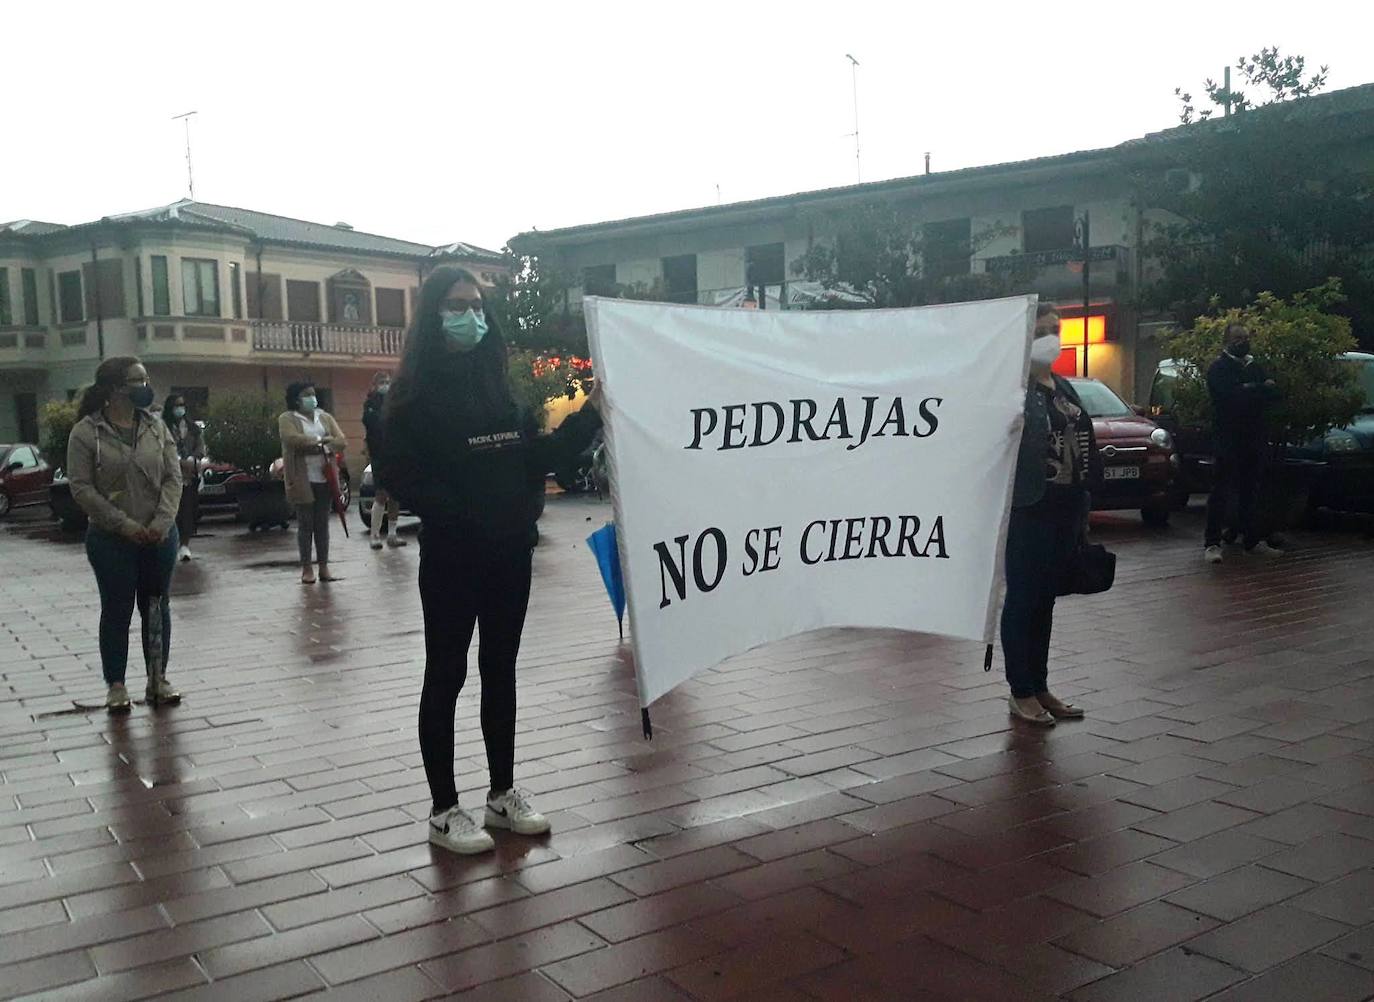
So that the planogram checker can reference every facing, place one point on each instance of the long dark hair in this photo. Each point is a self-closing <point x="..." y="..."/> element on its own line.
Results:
<point x="474" y="383"/>
<point x="167" y="404"/>
<point x="109" y="378"/>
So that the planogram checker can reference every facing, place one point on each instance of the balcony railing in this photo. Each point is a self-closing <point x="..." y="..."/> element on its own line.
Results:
<point x="326" y="339"/>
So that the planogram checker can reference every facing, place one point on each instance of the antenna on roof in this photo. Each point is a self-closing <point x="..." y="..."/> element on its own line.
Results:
<point x="854" y="81"/>
<point x="190" y="178"/>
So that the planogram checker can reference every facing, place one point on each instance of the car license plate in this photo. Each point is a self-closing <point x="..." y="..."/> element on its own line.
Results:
<point x="212" y="489"/>
<point x="1121" y="473"/>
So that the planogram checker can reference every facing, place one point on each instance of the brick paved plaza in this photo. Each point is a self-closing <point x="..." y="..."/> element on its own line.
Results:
<point x="845" y="816"/>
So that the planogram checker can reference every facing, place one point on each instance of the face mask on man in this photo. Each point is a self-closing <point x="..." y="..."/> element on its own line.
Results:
<point x="141" y="396"/>
<point x="382" y="388"/>
<point x="1044" y="351"/>
<point x="464" y="330"/>
<point x="178" y="412"/>
<point x="307" y="403"/>
<point x="1239" y="349"/>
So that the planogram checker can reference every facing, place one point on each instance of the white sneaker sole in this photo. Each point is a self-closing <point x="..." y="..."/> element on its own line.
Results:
<point x="494" y="820"/>
<point x="468" y="848"/>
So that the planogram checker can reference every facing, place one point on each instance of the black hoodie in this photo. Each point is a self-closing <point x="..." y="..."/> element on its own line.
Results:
<point x="1240" y="401"/>
<point x="480" y="474"/>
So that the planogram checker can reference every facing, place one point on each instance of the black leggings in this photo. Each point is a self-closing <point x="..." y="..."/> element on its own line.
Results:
<point x="467" y="582"/>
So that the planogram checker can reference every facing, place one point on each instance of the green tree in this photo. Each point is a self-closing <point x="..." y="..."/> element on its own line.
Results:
<point x="1298" y="341"/>
<point x="56" y="420"/>
<point x="1278" y="77"/>
<point x="1275" y="199"/>
<point x="241" y="429"/>
<point x="880" y="250"/>
<point x="532" y="305"/>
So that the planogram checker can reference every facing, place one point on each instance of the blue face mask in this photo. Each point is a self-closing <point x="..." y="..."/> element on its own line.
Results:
<point x="141" y="396"/>
<point x="178" y="412"/>
<point x="465" y="330"/>
<point x="308" y="403"/>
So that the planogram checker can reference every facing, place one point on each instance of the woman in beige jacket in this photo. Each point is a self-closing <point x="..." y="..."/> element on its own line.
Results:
<point x="125" y="474"/>
<point x="306" y="433"/>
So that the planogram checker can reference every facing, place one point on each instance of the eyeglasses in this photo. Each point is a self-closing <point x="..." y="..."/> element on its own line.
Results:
<point x="462" y="305"/>
<point x="136" y="382"/>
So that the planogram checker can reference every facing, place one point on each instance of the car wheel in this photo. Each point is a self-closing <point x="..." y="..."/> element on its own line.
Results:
<point x="5" y="504"/>
<point x="1156" y="518"/>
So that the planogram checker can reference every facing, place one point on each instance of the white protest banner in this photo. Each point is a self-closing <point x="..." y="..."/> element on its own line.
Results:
<point x="776" y="472"/>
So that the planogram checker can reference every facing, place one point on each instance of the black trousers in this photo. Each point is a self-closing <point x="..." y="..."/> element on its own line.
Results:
<point x="186" y="512"/>
<point x="467" y="582"/>
<point x="1237" y="477"/>
<point x="1040" y="539"/>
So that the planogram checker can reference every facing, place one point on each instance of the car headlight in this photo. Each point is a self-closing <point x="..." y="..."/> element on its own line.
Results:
<point x="1341" y="441"/>
<point x="1162" y="438"/>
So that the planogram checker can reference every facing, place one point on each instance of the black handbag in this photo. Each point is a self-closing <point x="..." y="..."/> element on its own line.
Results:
<point x="1090" y="571"/>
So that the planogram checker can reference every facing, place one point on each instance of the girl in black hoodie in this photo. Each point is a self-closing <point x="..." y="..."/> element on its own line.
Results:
<point x="461" y="454"/>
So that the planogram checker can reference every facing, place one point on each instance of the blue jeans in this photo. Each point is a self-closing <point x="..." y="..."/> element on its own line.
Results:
<point x="122" y="582"/>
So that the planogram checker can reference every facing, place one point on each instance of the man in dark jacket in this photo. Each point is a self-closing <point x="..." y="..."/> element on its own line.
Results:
<point x="385" y="511"/>
<point x="1241" y="393"/>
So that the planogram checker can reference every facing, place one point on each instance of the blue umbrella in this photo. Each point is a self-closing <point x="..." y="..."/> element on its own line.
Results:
<point x="607" y="552"/>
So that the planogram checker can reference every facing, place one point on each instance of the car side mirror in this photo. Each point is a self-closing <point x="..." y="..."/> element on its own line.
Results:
<point x="1137" y="409"/>
<point x="16" y="465"/>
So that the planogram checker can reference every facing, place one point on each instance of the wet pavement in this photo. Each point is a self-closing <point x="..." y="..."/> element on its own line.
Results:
<point x="848" y="815"/>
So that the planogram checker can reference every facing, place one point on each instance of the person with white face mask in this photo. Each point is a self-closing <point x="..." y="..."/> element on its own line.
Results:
<point x="190" y="442"/>
<point x="385" y="509"/>
<point x="1048" y="518"/>
<point x="306" y="430"/>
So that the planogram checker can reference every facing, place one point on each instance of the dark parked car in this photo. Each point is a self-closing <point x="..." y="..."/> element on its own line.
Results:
<point x="25" y="477"/>
<point x="1139" y="466"/>
<point x="1335" y="471"/>
<point x="213" y="499"/>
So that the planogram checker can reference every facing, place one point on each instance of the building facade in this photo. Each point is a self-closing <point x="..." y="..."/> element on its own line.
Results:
<point x="212" y="299"/>
<point x="1022" y="221"/>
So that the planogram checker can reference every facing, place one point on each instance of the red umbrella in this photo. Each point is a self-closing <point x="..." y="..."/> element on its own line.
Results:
<point x="331" y="476"/>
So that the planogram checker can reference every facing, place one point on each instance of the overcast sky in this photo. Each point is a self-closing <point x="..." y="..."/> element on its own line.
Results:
<point x="434" y="123"/>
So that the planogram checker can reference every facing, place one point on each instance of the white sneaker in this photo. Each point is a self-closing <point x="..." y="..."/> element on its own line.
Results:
<point x="1212" y="554"/>
<point x="184" y="554"/>
<point x="512" y="810"/>
<point x="394" y="541"/>
<point x="1263" y="549"/>
<point x="376" y="543"/>
<point x="456" y="831"/>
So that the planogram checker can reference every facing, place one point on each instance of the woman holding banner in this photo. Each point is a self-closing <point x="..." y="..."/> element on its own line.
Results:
<point x="1048" y="518"/>
<point x="462" y="455"/>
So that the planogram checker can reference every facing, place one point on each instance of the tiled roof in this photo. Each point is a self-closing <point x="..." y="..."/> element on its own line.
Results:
<point x="460" y="249"/>
<point x="268" y="227"/>
<point x="29" y="228"/>
<point x="1350" y="100"/>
